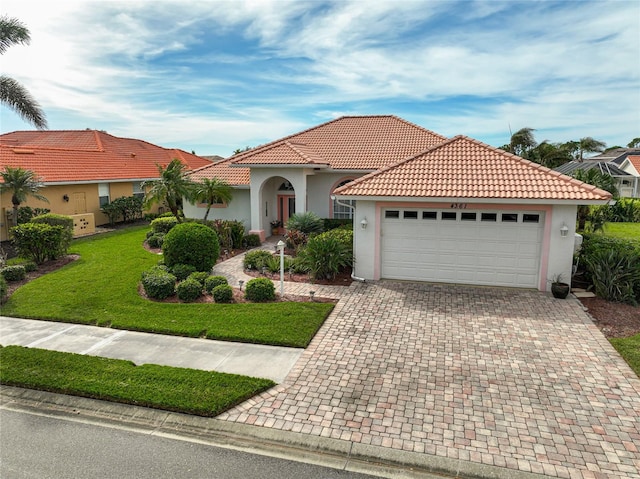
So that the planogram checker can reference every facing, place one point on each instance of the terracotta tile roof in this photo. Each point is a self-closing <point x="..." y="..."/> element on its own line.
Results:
<point x="635" y="161"/>
<point x="222" y="170"/>
<point x="350" y="142"/>
<point x="87" y="156"/>
<point x="466" y="168"/>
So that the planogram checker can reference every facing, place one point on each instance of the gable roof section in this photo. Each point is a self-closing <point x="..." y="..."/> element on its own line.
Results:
<point x="87" y="156"/>
<point x="223" y="171"/>
<point x="348" y="143"/>
<point x="632" y="163"/>
<point x="466" y="168"/>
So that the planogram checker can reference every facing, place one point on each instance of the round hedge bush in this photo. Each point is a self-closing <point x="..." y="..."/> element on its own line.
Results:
<point x="189" y="290"/>
<point x="256" y="259"/>
<point x="155" y="240"/>
<point x="14" y="273"/>
<point x="4" y="287"/>
<point x="199" y="276"/>
<point x="158" y="283"/>
<point x="223" y="293"/>
<point x="260" y="290"/>
<point x="213" y="281"/>
<point x="191" y="243"/>
<point x="182" y="271"/>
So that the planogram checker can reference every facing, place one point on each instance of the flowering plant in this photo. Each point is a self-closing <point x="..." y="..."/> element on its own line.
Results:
<point x="275" y="224"/>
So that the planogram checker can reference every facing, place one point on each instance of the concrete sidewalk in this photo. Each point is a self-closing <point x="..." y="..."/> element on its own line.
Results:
<point x="270" y="362"/>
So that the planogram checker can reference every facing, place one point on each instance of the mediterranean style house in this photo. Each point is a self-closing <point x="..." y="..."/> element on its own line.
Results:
<point x="82" y="170"/>
<point x="424" y="207"/>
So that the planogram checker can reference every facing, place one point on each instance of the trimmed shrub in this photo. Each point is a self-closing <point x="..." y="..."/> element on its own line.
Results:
<point x="189" y="290"/>
<point x="182" y="271"/>
<point x="163" y="224"/>
<point x="4" y="287"/>
<point x="199" y="276"/>
<point x="295" y="239"/>
<point x="158" y="283"/>
<point x="155" y="240"/>
<point x="307" y="222"/>
<point x="223" y="293"/>
<point x="212" y="281"/>
<point x="251" y="241"/>
<point x="66" y="222"/>
<point x="256" y="259"/>
<point x="333" y="223"/>
<point x="260" y="290"/>
<point x="26" y="213"/>
<point x="343" y="235"/>
<point x="38" y="241"/>
<point x="273" y="264"/>
<point x="237" y="234"/>
<point x="15" y="272"/>
<point x="191" y="243"/>
<point x="325" y="256"/>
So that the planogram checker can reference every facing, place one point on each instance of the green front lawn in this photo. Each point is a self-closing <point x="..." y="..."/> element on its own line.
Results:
<point x="101" y="288"/>
<point x="183" y="390"/>
<point x="629" y="349"/>
<point x="629" y="231"/>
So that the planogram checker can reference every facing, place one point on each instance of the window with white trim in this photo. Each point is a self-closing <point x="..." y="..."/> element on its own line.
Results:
<point x="341" y="210"/>
<point x="138" y="190"/>
<point x="103" y="193"/>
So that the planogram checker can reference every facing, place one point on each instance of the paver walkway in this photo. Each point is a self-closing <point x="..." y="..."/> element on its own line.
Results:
<point x="509" y="378"/>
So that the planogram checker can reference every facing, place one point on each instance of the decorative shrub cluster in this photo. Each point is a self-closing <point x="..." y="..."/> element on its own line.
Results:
<point x="126" y="207"/>
<point x="4" y="287"/>
<point x="199" y="276"/>
<point x="223" y="293"/>
<point x="66" y="222"/>
<point x="256" y="259"/>
<point x="213" y="281"/>
<point x="163" y="224"/>
<point x="155" y="240"/>
<point x="158" y="283"/>
<point x="14" y="273"/>
<point x="191" y="243"/>
<point x="613" y="265"/>
<point x="325" y="255"/>
<point x="260" y="290"/>
<point x="189" y="290"/>
<point x="39" y="242"/>
<point x="251" y="241"/>
<point x="182" y="271"/>
<point x="307" y="222"/>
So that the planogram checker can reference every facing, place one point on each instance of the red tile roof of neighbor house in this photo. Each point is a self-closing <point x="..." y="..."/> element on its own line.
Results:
<point x="466" y="168"/>
<point x="635" y="161"/>
<point x="87" y="156"/>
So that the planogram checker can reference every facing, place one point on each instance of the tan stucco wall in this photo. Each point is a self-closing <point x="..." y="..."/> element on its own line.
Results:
<point x="83" y="198"/>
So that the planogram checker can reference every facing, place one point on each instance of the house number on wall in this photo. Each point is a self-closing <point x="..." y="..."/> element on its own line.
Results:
<point x="458" y="206"/>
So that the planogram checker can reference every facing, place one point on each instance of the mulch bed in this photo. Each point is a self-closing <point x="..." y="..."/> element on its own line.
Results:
<point x="615" y="320"/>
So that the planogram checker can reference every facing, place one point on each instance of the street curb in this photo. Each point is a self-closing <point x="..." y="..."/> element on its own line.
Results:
<point x="330" y="452"/>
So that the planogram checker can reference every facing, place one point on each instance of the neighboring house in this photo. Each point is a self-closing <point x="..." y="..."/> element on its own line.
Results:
<point x="631" y="164"/>
<point x="84" y="169"/>
<point x="616" y="155"/>
<point x="425" y="208"/>
<point x="627" y="179"/>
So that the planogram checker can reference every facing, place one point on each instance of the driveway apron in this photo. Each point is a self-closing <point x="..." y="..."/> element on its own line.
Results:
<point x="509" y="378"/>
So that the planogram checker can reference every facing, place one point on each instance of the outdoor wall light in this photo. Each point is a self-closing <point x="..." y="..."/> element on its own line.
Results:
<point x="364" y="223"/>
<point x="564" y="231"/>
<point x="66" y="198"/>
<point x="240" y="282"/>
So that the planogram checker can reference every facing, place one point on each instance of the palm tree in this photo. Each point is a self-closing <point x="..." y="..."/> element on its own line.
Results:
<point x="522" y="141"/>
<point x="589" y="145"/>
<point x="212" y="191"/>
<point x="12" y="94"/>
<point x="550" y="155"/>
<point x="22" y="184"/>
<point x="170" y="188"/>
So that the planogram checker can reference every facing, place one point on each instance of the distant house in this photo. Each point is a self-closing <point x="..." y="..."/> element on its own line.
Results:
<point x="626" y="176"/>
<point x="83" y="169"/>
<point x="424" y="207"/>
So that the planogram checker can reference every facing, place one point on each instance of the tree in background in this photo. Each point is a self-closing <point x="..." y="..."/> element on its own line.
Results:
<point x="596" y="178"/>
<point x="212" y="191"/>
<point x="584" y="145"/>
<point x="635" y="143"/>
<point x="21" y="184"/>
<point x="170" y="188"/>
<point x="12" y="94"/>
<point x="521" y="142"/>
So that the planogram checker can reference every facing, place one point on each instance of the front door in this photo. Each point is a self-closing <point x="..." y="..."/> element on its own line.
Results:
<point x="286" y="207"/>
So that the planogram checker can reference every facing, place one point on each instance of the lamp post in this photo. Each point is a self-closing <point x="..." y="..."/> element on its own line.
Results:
<point x="280" y="247"/>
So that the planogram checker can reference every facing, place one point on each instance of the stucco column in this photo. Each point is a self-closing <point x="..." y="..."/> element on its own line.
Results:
<point x="256" y="208"/>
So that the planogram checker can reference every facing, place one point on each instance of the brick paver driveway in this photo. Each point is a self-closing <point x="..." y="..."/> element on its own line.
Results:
<point x="503" y="377"/>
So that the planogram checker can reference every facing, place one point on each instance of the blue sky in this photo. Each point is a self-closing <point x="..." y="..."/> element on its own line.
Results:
<point x="213" y="76"/>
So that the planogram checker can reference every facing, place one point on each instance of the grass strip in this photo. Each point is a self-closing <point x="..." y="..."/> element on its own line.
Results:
<point x="629" y="349"/>
<point x="189" y="391"/>
<point x="101" y="288"/>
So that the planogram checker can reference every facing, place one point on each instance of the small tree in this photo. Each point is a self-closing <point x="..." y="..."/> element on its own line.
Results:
<point x="191" y="244"/>
<point x="21" y="184"/>
<point x="170" y="188"/>
<point x="212" y="191"/>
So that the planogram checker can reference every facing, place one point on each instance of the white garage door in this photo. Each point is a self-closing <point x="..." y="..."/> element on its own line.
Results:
<point x="500" y="248"/>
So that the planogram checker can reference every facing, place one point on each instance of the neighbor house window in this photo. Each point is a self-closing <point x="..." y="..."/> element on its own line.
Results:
<point x="138" y="190"/>
<point x="341" y="210"/>
<point x="103" y="193"/>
